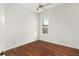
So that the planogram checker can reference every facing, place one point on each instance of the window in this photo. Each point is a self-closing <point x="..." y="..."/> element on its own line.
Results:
<point x="45" y="25"/>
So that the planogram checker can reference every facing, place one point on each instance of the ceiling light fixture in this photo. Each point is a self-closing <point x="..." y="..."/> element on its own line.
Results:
<point x="42" y="6"/>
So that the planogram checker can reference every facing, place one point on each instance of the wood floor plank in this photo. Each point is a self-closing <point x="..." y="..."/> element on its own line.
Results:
<point x="42" y="48"/>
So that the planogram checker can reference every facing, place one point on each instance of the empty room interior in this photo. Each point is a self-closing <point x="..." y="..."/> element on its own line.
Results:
<point x="39" y="29"/>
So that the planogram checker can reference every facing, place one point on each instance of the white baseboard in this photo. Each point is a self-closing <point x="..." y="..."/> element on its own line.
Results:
<point x="61" y="44"/>
<point x="21" y="44"/>
<point x="42" y="40"/>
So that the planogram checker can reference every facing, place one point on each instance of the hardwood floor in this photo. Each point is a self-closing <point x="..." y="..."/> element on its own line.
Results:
<point x="42" y="48"/>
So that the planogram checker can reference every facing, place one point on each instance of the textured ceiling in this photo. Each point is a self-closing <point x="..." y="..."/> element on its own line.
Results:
<point x="34" y="6"/>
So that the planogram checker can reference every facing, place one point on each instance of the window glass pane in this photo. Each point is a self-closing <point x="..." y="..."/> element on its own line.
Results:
<point x="45" y="21"/>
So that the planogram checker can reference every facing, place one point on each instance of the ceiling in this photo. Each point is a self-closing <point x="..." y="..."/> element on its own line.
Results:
<point x="34" y="6"/>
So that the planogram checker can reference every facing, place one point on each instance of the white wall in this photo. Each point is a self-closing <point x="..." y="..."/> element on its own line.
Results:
<point x="21" y="25"/>
<point x="2" y="25"/>
<point x="63" y="25"/>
